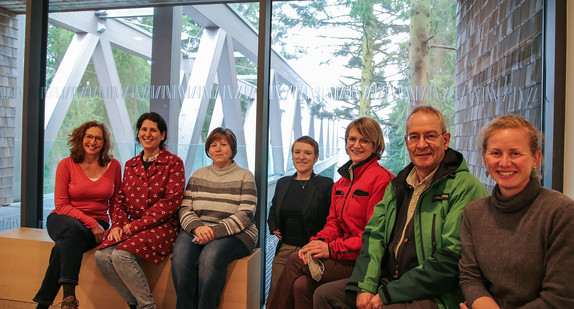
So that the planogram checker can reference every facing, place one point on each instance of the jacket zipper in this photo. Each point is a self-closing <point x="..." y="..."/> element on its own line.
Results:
<point x="433" y="234"/>
<point x="421" y="227"/>
<point x="347" y="195"/>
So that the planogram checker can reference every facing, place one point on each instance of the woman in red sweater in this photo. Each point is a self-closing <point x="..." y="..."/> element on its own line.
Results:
<point x="86" y="181"/>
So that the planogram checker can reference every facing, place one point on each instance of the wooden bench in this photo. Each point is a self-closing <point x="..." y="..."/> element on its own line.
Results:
<point x="24" y="255"/>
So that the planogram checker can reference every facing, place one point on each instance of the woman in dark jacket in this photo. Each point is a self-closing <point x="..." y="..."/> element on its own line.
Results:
<point x="300" y="205"/>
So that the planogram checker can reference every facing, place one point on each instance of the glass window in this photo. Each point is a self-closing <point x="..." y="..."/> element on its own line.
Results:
<point x="334" y="61"/>
<point x="100" y="68"/>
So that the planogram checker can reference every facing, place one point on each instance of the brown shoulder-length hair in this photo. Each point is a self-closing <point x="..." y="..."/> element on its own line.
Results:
<point x="219" y="133"/>
<point x="75" y="141"/>
<point x="371" y="130"/>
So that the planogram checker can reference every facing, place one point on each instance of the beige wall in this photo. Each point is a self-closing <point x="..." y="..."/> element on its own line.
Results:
<point x="569" y="134"/>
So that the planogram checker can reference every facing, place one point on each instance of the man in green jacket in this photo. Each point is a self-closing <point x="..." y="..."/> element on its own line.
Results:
<point x="411" y="245"/>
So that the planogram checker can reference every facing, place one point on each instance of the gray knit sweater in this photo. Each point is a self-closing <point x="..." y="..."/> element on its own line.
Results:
<point x="519" y="250"/>
<point x="223" y="199"/>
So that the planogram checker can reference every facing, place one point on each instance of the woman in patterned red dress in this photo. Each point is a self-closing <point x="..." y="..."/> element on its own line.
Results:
<point x="144" y="214"/>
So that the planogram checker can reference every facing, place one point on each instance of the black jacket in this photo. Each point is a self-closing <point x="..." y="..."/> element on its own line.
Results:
<point x="316" y="201"/>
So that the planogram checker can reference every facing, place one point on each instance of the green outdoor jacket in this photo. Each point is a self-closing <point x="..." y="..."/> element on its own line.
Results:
<point x="437" y="221"/>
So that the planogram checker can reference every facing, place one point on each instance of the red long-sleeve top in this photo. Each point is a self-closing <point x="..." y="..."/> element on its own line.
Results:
<point x="82" y="198"/>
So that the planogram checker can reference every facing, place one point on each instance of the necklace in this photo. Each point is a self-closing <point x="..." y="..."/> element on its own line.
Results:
<point x="151" y="158"/>
<point x="303" y="183"/>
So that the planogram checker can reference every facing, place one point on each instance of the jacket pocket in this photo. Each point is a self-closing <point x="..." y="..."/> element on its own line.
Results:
<point x="359" y="192"/>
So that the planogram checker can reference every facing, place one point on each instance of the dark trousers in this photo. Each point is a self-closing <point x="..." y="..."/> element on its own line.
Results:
<point x="333" y="295"/>
<point x="72" y="240"/>
<point x="199" y="271"/>
<point x="295" y="287"/>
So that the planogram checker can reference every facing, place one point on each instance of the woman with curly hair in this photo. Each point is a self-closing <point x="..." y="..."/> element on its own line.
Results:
<point x="86" y="182"/>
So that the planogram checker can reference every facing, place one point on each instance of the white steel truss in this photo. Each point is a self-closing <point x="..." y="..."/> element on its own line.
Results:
<point x="225" y="36"/>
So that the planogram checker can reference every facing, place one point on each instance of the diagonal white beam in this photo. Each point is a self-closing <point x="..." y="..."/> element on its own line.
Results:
<point x="121" y="35"/>
<point x="275" y="136"/>
<point x="108" y="78"/>
<point x="228" y="90"/>
<point x="216" y="115"/>
<point x="289" y="104"/>
<point x="197" y="95"/>
<point x="249" y="129"/>
<point x="63" y="87"/>
<point x="244" y="36"/>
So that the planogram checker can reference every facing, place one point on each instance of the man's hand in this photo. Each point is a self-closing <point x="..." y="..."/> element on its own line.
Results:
<point x="363" y="300"/>
<point x="376" y="302"/>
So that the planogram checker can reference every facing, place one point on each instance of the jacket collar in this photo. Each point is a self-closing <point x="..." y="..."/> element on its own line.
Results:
<point x="451" y="163"/>
<point x="162" y="158"/>
<point x="310" y="178"/>
<point x="137" y="163"/>
<point x="357" y="168"/>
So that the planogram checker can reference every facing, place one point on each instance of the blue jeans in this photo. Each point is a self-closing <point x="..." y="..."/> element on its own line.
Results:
<point x="199" y="271"/>
<point x="123" y="272"/>
<point x="72" y="240"/>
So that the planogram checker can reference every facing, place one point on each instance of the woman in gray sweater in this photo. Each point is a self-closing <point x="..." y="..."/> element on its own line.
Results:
<point x="217" y="221"/>
<point x="517" y="244"/>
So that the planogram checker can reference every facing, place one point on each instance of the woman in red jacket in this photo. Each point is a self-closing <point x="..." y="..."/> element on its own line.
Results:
<point x="335" y="248"/>
<point x="86" y="181"/>
<point x="144" y="214"/>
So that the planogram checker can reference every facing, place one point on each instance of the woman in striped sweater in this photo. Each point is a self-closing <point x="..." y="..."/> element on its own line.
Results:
<point x="217" y="221"/>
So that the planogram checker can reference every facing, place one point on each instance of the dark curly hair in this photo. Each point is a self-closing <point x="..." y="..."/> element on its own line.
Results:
<point x="158" y="119"/>
<point x="75" y="141"/>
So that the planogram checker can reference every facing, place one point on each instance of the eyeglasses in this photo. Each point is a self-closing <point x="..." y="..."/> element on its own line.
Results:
<point x="88" y="137"/>
<point x="352" y="140"/>
<point x="429" y="138"/>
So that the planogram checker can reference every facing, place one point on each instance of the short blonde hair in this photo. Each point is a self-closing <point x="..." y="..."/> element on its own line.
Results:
<point x="371" y="130"/>
<point x="512" y="122"/>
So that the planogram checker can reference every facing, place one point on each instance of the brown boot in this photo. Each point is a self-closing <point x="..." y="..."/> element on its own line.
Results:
<point x="70" y="302"/>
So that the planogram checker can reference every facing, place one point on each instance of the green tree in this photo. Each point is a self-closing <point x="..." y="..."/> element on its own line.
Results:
<point x="367" y="45"/>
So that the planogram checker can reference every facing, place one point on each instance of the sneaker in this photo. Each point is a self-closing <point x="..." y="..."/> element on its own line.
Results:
<point x="70" y="302"/>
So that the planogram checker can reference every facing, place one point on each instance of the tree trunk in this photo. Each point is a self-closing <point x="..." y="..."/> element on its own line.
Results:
<point x="367" y="60"/>
<point x="419" y="52"/>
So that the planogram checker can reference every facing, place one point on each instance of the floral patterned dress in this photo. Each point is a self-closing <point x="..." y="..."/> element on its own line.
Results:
<point x="149" y="201"/>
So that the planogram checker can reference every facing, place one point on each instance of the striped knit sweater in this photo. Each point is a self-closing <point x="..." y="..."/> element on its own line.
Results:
<point x="223" y="199"/>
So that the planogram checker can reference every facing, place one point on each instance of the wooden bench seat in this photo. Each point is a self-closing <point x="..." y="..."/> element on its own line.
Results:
<point x="24" y="255"/>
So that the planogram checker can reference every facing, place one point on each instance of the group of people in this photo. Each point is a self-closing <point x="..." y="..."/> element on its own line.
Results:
<point x="206" y="224"/>
<point x="431" y="237"/>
